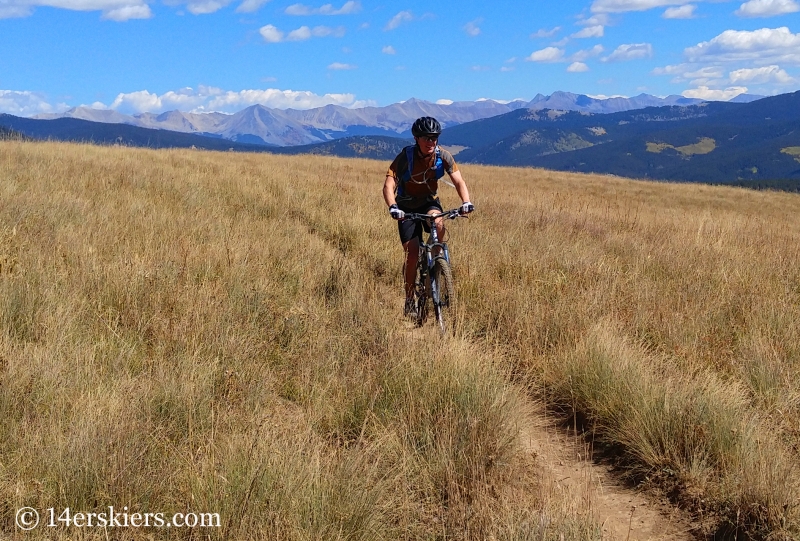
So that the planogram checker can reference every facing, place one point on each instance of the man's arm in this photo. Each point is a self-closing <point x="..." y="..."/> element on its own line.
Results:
<point x="461" y="186"/>
<point x="388" y="190"/>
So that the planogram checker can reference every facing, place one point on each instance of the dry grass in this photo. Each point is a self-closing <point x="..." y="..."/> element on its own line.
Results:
<point x="220" y="333"/>
<point x="665" y="317"/>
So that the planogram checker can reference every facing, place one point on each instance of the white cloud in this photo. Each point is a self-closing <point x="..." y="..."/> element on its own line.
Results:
<point x="669" y="70"/>
<point x="632" y="51"/>
<point x="397" y="20"/>
<point x="348" y="8"/>
<point x="706" y="76"/>
<point x="472" y="29"/>
<point x="204" y="7"/>
<point x="764" y="46"/>
<point x="702" y="76"/>
<point x="548" y="54"/>
<point x="480" y="68"/>
<point x="708" y="72"/>
<point x="115" y="10"/>
<point x="327" y="31"/>
<point x="585" y="54"/>
<point x="128" y="12"/>
<point x="577" y="67"/>
<point x="556" y="54"/>
<point x="27" y="103"/>
<point x="201" y="100"/>
<point x="766" y="74"/>
<point x="542" y="33"/>
<point x="300" y="34"/>
<point x="603" y="19"/>
<point x="444" y="102"/>
<point x="682" y="12"/>
<point x="767" y="8"/>
<point x="298" y="9"/>
<point x="138" y="101"/>
<point x="605" y="97"/>
<point x="705" y="93"/>
<point x="388" y="50"/>
<point x="250" y="6"/>
<point x="590" y="32"/>
<point x="622" y="6"/>
<point x="10" y="11"/>
<point x="272" y="34"/>
<point x="507" y="68"/>
<point x="207" y="99"/>
<point x="338" y="66"/>
<point x="123" y="10"/>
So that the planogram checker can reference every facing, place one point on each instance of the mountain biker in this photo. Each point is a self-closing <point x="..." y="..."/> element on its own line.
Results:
<point x="411" y="186"/>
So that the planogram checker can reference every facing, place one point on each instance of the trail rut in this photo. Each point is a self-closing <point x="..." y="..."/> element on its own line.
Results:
<point x="566" y="464"/>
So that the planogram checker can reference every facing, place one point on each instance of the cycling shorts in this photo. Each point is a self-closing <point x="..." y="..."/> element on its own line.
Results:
<point x="409" y="229"/>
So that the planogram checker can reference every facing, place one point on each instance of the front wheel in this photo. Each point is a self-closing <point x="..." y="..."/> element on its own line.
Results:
<point x="421" y="295"/>
<point x="443" y="293"/>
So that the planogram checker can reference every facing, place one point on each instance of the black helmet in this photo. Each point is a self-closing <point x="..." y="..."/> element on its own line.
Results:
<point x="426" y="125"/>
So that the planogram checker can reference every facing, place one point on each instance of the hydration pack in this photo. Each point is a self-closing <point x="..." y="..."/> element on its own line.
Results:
<point x="438" y="167"/>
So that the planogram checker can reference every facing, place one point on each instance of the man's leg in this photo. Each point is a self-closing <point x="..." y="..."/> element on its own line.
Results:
<point x="412" y="256"/>
<point x="439" y="229"/>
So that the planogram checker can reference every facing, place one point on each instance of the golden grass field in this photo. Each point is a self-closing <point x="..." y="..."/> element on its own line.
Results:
<point x="187" y="331"/>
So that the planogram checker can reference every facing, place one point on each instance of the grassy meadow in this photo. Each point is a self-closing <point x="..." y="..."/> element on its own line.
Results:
<point x="188" y="331"/>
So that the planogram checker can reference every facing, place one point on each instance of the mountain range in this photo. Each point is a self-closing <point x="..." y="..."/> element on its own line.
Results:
<point x="752" y="144"/>
<point x="290" y="127"/>
<point x="749" y="141"/>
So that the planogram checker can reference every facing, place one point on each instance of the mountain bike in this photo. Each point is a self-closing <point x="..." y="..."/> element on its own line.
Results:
<point x="434" y="282"/>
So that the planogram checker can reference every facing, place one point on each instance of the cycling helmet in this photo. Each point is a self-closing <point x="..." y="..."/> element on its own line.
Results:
<point x="426" y="125"/>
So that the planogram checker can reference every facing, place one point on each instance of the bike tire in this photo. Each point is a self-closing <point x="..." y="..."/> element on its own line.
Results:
<point x="443" y="293"/>
<point x="421" y="297"/>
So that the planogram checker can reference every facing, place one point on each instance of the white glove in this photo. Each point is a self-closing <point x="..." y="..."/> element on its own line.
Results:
<point x="396" y="213"/>
<point x="466" y="208"/>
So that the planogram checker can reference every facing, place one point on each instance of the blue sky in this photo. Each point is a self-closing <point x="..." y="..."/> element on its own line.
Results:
<point x="224" y="55"/>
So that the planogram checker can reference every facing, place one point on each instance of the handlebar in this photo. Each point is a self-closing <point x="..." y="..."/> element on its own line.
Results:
<point x="451" y="214"/>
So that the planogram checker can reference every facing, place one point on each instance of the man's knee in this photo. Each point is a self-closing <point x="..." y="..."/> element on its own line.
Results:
<point x="412" y="247"/>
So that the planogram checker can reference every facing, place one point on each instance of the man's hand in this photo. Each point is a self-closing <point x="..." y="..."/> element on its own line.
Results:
<point x="466" y="208"/>
<point x="396" y="213"/>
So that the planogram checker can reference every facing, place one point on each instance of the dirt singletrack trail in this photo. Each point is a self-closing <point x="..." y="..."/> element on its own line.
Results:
<point x="566" y="465"/>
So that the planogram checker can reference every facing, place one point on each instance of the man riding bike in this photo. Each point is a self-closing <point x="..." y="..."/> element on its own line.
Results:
<point x="411" y="186"/>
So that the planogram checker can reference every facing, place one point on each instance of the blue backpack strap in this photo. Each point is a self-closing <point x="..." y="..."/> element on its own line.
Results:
<point x="405" y="176"/>
<point x="439" y="164"/>
<point x="410" y="160"/>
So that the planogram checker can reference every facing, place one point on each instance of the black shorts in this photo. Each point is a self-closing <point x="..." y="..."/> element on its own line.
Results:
<point x="409" y="229"/>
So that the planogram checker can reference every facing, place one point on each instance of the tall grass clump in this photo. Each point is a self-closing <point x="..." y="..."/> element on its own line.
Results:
<point x="692" y="435"/>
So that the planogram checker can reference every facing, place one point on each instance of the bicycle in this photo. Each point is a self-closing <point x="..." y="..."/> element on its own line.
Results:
<point x="434" y="279"/>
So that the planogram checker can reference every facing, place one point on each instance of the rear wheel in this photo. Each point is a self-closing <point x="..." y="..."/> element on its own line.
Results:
<point x="443" y="292"/>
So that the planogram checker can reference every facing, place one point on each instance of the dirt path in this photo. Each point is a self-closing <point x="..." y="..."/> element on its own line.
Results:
<point x="625" y="514"/>
<point x="566" y="465"/>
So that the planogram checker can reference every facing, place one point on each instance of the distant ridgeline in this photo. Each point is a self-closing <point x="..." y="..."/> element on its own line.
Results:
<point x="754" y="144"/>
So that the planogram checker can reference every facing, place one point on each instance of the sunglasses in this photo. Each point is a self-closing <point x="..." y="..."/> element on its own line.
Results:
<point x="430" y="138"/>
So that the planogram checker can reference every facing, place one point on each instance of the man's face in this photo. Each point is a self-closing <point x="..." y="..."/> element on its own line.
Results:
<point x="427" y="143"/>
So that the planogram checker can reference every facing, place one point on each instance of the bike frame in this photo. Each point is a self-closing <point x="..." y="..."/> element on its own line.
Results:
<point x="426" y="283"/>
